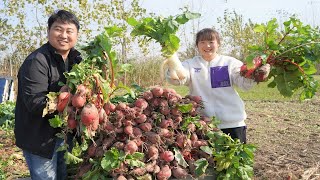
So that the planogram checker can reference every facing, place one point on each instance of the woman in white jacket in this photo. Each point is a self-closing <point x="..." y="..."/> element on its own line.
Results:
<point x="213" y="77"/>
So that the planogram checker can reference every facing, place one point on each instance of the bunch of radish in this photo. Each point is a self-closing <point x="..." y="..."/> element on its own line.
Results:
<point x="156" y="125"/>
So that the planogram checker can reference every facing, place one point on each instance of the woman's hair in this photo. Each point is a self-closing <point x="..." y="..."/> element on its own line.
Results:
<point x="63" y="16"/>
<point x="207" y="34"/>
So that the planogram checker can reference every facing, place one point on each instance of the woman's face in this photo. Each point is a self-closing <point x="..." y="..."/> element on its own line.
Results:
<point x="208" y="49"/>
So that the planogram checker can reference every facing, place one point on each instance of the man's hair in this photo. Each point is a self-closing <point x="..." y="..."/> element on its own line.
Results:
<point x="63" y="16"/>
<point x="207" y="34"/>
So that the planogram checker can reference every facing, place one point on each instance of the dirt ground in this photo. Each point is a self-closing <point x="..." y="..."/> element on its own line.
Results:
<point x="287" y="135"/>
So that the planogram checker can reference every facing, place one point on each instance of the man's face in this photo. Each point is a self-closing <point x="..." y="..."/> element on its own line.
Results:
<point x="63" y="36"/>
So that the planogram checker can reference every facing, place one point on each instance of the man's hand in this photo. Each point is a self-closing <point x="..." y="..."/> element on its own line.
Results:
<point x="262" y="73"/>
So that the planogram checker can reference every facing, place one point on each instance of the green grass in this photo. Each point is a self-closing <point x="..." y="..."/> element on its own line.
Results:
<point x="259" y="92"/>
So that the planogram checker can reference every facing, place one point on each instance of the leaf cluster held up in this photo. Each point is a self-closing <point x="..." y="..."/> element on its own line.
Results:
<point x="162" y="30"/>
<point x="292" y="53"/>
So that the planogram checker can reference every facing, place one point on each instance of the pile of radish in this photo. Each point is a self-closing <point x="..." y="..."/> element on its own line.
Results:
<point x="154" y="134"/>
<point x="160" y="131"/>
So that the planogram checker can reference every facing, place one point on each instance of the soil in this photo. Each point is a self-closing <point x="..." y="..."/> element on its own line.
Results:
<point x="287" y="136"/>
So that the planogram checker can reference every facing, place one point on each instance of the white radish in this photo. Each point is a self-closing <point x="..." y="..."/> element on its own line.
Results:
<point x="175" y="68"/>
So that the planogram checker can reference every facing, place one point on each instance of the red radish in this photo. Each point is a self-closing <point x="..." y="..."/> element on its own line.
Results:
<point x="199" y="143"/>
<point x="165" y="133"/>
<point x="182" y="141"/>
<point x="89" y="114"/>
<point x="194" y="137"/>
<point x="147" y="95"/>
<point x="122" y="137"/>
<point x="121" y="106"/>
<point x="196" y="99"/>
<point x="206" y="119"/>
<point x="127" y="122"/>
<point x="193" y="112"/>
<point x="81" y="89"/>
<point x="153" y="153"/>
<point x="179" y="172"/>
<point x="121" y="169"/>
<point x="145" y="127"/>
<point x="141" y="103"/>
<point x="163" y="103"/>
<point x="107" y="142"/>
<point x="138" y="171"/>
<point x="155" y="102"/>
<point x="157" y="91"/>
<point x="71" y="112"/>
<point x="83" y="169"/>
<point x="178" y="119"/>
<point x="165" y="123"/>
<point x="156" y="169"/>
<point x="102" y="115"/>
<point x="119" y="115"/>
<point x="154" y="115"/>
<point x="119" y="145"/>
<point x="78" y="101"/>
<point x="92" y="150"/>
<point x="165" y="173"/>
<point x="173" y="100"/>
<point x="131" y="147"/>
<point x="109" y="107"/>
<point x="175" y="111"/>
<point x="108" y="126"/>
<point x="249" y="73"/>
<point x="203" y="124"/>
<point x="147" y="111"/>
<point x="150" y="166"/>
<point x="167" y="156"/>
<point x="63" y="100"/>
<point x="121" y="177"/>
<point x="64" y="88"/>
<point x="168" y="93"/>
<point x="119" y="130"/>
<point x="138" y="141"/>
<point x="95" y="124"/>
<point x="99" y="152"/>
<point x="141" y="118"/>
<point x="72" y="123"/>
<point x="165" y="110"/>
<point x="137" y="132"/>
<point x="138" y="111"/>
<point x="128" y="130"/>
<point x="191" y="127"/>
<point x="153" y="137"/>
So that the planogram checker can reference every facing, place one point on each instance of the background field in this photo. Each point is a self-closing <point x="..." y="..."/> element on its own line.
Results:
<point x="285" y="131"/>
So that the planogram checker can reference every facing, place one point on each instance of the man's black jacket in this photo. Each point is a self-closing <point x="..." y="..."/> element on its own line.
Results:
<point x="39" y="74"/>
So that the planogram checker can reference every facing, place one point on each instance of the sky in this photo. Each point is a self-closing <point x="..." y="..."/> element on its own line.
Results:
<point x="257" y="10"/>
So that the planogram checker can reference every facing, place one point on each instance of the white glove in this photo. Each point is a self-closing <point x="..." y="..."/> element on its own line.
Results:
<point x="173" y="66"/>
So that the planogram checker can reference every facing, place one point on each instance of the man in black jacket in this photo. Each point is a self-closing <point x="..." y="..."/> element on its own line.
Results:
<point x="40" y="74"/>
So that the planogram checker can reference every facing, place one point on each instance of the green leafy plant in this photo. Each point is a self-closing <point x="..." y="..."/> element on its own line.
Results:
<point x="292" y="54"/>
<point x="7" y="114"/>
<point x="162" y="30"/>
<point x="234" y="160"/>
